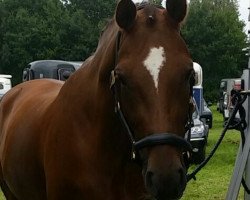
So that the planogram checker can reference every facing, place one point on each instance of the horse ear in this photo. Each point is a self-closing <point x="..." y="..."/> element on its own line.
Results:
<point x="177" y="9"/>
<point x="125" y="14"/>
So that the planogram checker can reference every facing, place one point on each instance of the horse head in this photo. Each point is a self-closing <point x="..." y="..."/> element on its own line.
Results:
<point x="152" y="82"/>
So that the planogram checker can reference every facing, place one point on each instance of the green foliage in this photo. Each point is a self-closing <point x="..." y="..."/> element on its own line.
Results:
<point x="48" y="29"/>
<point x="29" y="33"/>
<point x="215" y="38"/>
<point x="88" y="18"/>
<point x="157" y="2"/>
<point x="95" y="11"/>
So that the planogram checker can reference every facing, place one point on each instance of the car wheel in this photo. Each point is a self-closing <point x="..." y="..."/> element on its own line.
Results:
<point x="200" y="156"/>
<point x="210" y="124"/>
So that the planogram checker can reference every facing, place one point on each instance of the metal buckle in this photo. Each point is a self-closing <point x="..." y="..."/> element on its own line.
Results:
<point x="112" y="79"/>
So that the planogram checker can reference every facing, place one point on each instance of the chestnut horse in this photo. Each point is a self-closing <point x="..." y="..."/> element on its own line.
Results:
<point x="74" y="141"/>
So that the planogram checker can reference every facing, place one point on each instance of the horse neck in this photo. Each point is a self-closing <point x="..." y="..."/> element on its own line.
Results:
<point x="105" y="58"/>
<point x="87" y="93"/>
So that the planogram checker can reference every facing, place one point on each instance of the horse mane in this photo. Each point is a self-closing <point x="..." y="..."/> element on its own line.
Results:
<point x="107" y="23"/>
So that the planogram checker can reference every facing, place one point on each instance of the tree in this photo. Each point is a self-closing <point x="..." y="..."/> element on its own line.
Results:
<point x="94" y="14"/>
<point x="30" y="31"/>
<point x="215" y="38"/>
<point x="96" y="10"/>
<point x="157" y="2"/>
<point x="1" y="31"/>
<point x="49" y="29"/>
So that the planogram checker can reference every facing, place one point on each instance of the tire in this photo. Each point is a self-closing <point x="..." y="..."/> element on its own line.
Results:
<point x="200" y="156"/>
<point x="211" y="123"/>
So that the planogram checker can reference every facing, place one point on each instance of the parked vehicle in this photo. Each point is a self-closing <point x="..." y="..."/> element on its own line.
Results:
<point x="207" y="114"/>
<point x="55" y="69"/>
<point x="226" y="86"/>
<point x="222" y="93"/>
<point x="5" y="84"/>
<point x="199" y="135"/>
<point x="203" y="109"/>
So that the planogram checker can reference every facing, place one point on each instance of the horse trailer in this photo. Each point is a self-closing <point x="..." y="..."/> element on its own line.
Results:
<point x="55" y="69"/>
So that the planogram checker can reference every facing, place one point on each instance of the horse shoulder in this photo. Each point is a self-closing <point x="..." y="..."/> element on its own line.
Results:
<point x="22" y="130"/>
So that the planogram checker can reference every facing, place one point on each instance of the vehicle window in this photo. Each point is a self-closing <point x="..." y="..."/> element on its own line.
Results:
<point x="1" y="86"/>
<point x="64" y="73"/>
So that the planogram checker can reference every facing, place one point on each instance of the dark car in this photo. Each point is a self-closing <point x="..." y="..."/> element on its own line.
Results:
<point x="199" y="135"/>
<point x="207" y="114"/>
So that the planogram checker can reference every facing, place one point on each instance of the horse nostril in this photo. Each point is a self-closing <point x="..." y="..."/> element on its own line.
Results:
<point x="151" y="183"/>
<point x="161" y="185"/>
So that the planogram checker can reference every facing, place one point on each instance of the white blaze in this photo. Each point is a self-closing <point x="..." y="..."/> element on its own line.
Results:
<point x="154" y="62"/>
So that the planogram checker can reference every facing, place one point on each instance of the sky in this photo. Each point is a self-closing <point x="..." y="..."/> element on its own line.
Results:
<point x="244" y="12"/>
<point x="243" y="9"/>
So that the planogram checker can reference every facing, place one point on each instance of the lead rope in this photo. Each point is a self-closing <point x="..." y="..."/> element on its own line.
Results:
<point x="241" y="125"/>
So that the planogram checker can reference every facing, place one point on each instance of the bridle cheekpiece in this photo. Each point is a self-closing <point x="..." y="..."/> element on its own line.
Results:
<point x="151" y="140"/>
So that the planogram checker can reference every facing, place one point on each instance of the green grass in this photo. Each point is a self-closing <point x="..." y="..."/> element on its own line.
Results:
<point x="213" y="180"/>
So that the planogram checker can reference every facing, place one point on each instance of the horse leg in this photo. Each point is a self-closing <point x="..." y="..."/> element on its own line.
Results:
<point x="7" y="193"/>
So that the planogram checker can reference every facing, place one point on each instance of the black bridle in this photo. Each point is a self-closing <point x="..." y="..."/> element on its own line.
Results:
<point x="156" y="138"/>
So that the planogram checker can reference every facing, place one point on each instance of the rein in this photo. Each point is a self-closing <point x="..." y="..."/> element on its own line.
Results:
<point x="156" y="138"/>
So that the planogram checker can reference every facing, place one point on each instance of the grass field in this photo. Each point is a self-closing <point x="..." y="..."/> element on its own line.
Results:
<point x="213" y="180"/>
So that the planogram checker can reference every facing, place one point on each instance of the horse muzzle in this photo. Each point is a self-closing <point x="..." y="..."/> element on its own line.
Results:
<point x="166" y="187"/>
<point x="168" y="181"/>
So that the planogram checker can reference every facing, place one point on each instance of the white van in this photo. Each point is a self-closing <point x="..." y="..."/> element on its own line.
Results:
<point x="5" y="84"/>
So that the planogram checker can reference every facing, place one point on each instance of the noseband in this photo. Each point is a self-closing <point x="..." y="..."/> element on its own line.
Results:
<point x="156" y="138"/>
